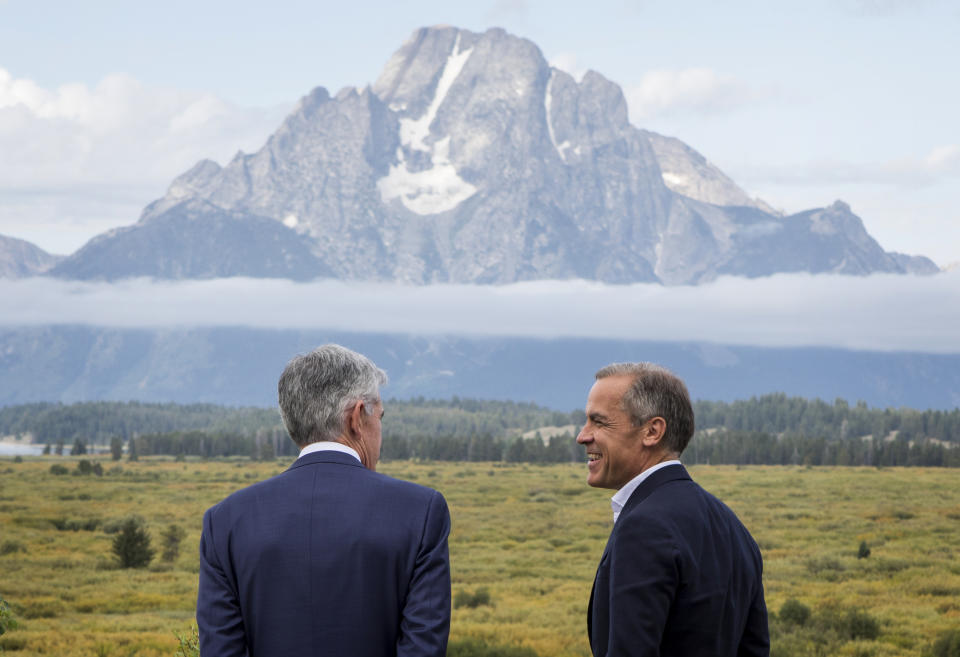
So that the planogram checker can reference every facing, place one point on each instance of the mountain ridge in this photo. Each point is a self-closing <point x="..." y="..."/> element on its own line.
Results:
<point x="471" y="160"/>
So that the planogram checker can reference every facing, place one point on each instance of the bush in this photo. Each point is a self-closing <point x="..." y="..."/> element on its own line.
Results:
<point x="472" y="600"/>
<point x="7" y="621"/>
<point x="10" y="547"/>
<point x="189" y="645"/>
<point x="794" y="612"/>
<point x="171" y="537"/>
<point x="858" y="624"/>
<point x="131" y="545"/>
<point x="58" y="469"/>
<point x="475" y="648"/>
<point x="946" y="645"/>
<point x="863" y="552"/>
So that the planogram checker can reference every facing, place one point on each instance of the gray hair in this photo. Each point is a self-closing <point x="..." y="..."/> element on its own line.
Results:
<point x="316" y="389"/>
<point x="656" y="392"/>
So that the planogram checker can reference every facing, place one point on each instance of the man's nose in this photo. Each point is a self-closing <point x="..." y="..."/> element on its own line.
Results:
<point x="583" y="436"/>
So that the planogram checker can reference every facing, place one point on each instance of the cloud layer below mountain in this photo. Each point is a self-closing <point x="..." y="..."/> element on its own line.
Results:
<point x="880" y="312"/>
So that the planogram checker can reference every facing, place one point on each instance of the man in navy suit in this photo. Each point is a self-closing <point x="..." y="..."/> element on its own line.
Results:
<point x="680" y="576"/>
<point x="329" y="557"/>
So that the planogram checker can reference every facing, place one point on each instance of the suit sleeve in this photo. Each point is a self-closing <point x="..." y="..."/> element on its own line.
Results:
<point x="756" y="634"/>
<point x="425" y="618"/>
<point x="218" y="609"/>
<point x="644" y="578"/>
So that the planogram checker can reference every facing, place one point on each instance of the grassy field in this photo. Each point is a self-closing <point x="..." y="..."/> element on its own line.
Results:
<point x="530" y="536"/>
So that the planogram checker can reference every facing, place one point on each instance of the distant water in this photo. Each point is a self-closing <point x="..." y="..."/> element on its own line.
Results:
<point x="24" y="449"/>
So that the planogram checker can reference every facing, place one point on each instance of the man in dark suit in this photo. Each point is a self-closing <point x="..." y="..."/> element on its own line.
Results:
<point x="329" y="557"/>
<point x="680" y="576"/>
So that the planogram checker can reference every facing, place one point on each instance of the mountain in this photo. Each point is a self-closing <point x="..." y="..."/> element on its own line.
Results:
<point x="72" y="363"/>
<point x="19" y="258"/>
<point x="471" y="159"/>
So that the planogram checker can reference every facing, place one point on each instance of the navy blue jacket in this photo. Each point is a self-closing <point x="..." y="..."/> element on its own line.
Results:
<point x="680" y="577"/>
<point x="327" y="558"/>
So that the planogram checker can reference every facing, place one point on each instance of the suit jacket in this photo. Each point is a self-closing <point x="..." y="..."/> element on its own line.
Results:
<point x="327" y="558"/>
<point x="680" y="576"/>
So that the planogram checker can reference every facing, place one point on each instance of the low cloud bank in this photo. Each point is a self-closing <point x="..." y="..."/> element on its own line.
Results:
<point x="880" y="312"/>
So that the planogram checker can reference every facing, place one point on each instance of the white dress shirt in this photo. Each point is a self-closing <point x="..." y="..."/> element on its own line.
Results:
<point x="619" y="499"/>
<point x="330" y="446"/>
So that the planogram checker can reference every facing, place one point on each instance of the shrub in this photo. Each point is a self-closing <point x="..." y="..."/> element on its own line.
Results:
<point x="7" y="621"/>
<point x="863" y="552"/>
<point x="131" y="545"/>
<point x="946" y="645"/>
<point x="18" y="459"/>
<point x="10" y="547"/>
<point x="475" y="648"/>
<point x="794" y="612"/>
<point x="58" y="469"/>
<point x="466" y="599"/>
<point x="84" y="467"/>
<point x="171" y="537"/>
<point x="189" y="645"/>
<point x="858" y="624"/>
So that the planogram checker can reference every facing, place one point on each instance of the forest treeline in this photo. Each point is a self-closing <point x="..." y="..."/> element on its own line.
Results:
<point x="772" y="429"/>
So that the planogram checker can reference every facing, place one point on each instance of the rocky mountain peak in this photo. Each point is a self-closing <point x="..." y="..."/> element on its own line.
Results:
<point x="471" y="159"/>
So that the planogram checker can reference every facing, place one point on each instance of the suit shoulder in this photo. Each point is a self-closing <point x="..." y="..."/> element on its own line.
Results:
<point x="405" y="488"/>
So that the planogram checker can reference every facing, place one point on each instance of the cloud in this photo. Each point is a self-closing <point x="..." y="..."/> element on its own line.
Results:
<point x="942" y="162"/>
<point x="880" y="312"/>
<point x="86" y="159"/>
<point x="118" y="132"/>
<point x="567" y="62"/>
<point x="691" y="90"/>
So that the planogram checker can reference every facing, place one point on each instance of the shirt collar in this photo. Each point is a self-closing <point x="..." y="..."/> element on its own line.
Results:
<point x="329" y="445"/>
<point x="619" y="499"/>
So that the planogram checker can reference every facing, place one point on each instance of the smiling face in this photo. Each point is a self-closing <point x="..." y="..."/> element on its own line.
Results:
<point x="615" y="448"/>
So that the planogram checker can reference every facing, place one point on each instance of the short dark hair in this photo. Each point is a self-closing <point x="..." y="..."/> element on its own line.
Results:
<point x="316" y="389"/>
<point x="656" y="392"/>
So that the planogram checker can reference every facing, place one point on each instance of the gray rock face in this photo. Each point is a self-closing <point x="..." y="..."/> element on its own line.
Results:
<point x="208" y="242"/>
<point x="19" y="258"/>
<point x="470" y="159"/>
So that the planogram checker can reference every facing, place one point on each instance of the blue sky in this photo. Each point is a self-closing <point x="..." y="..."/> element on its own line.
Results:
<point x="802" y="103"/>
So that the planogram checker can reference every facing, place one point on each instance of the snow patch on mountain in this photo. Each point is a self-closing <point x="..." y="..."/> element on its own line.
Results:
<point x="547" y="103"/>
<point x="438" y="188"/>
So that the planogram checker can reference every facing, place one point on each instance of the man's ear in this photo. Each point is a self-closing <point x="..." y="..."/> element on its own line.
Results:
<point x="355" y="419"/>
<point x="653" y="431"/>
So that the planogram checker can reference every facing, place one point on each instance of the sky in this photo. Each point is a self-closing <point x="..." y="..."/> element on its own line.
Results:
<point x="103" y="103"/>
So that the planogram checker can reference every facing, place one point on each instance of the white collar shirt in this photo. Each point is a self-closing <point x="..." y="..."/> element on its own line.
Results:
<point x="330" y="446"/>
<point x="619" y="499"/>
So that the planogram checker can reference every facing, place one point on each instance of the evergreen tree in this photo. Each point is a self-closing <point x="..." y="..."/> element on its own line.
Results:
<point x="116" y="448"/>
<point x="79" y="448"/>
<point x="131" y="545"/>
<point x="171" y="538"/>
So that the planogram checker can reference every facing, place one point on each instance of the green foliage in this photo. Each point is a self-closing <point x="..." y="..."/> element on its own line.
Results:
<point x="7" y="621"/>
<point x="794" y="612"/>
<point x="464" y="598"/>
<point x="863" y="551"/>
<point x="18" y="459"/>
<point x="79" y="448"/>
<point x="46" y="449"/>
<point x="131" y="545"/>
<point x="947" y="644"/>
<point x="189" y="645"/>
<point x="475" y="648"/>
<point x="58" y="469"/>
<point x="171" y="537"/>
<point x="116" y="448"/>
<point x="857" y="624"/>
<point x="12" y="547"/>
